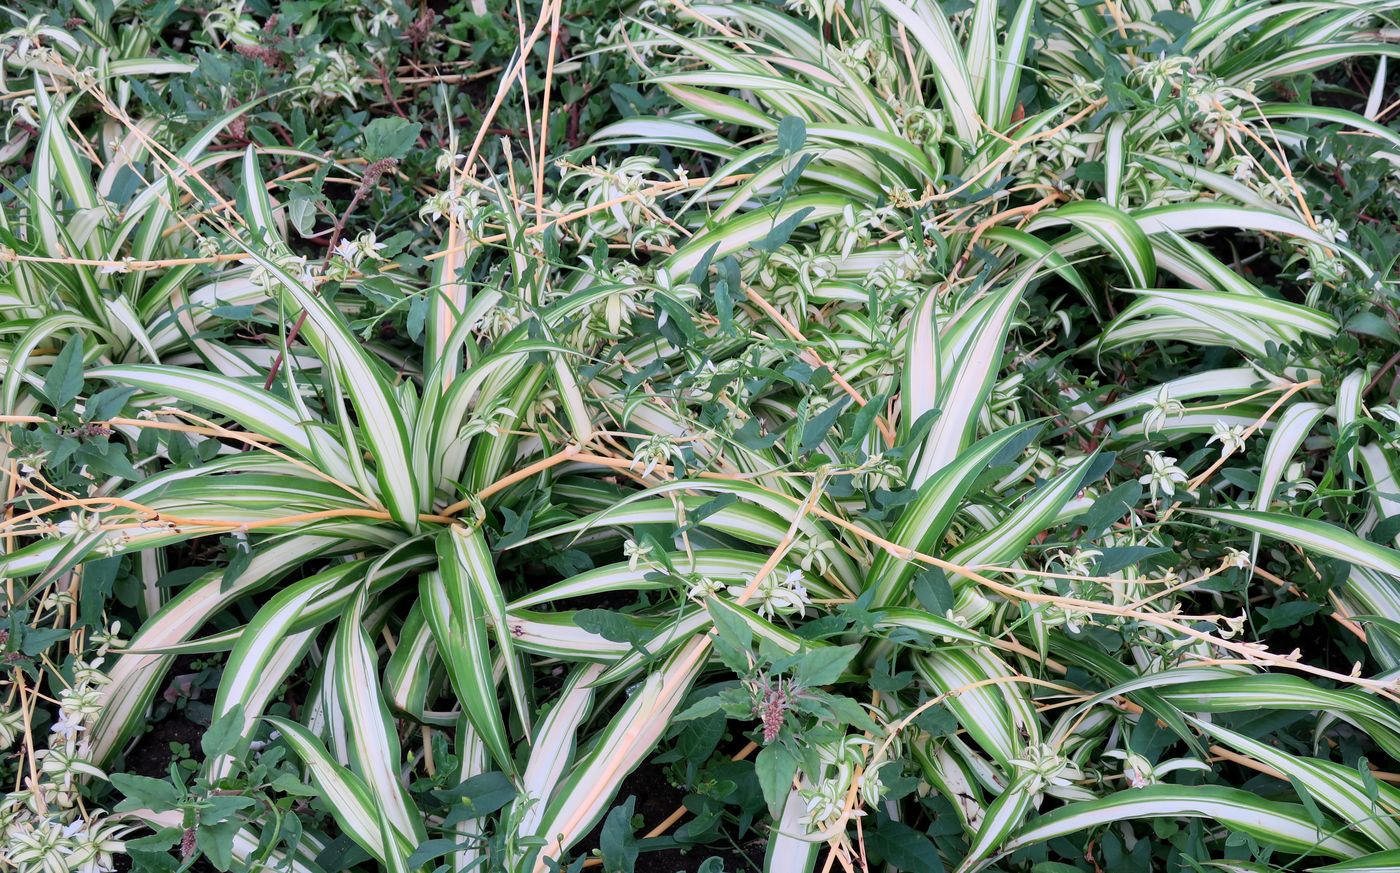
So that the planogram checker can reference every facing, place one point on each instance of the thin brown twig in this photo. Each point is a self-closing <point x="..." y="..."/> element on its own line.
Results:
<point x="373" y="172"/>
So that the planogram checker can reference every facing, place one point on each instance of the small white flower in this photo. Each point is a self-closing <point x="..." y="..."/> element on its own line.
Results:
<point x="446" y="160"/>
<point x="1164" y="475"/>
<point x="1080" y="563"/>
<point x="111" y="545"/>
<point x="369" y="246"/>
<point x="384" y="18"/>
<point x="347" y="251"/>
<point x="32" y="463"/>
<point x="1138" y="772"/>
<point x="42" y="849"/>
<point x="702" y="587"/>
<point x="636" y="553"/>
<point x="1163" y="408"/>
<point x="776" y="596"/>
<point x="1233" y="626"/>
<point x="58" y="600"/>
<point x="67" y="727"/>
<point x="94" y="845"/>
<point x="1237" y="558"/>
<point x="1231" y="438"/>
<point x="438" y="206"/>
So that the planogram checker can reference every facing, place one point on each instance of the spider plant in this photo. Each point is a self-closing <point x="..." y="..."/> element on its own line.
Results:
<point x="885" y="402"/>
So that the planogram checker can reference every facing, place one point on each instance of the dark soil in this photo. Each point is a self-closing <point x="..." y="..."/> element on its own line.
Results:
<point x="151" y="756"/>
<point x="123" y="863"/>
<point x="200" y="866"/>
<point x="657" y="798"/>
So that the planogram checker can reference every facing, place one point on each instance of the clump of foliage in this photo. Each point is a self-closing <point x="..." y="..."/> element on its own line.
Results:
<point x="921" y="435"/>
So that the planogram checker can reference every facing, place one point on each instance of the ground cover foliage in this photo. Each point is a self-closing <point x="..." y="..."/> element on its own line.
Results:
<point x="890" y="435"/>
